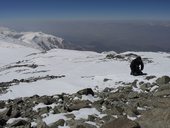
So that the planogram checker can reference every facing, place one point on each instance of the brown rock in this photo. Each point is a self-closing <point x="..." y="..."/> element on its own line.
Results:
<point x="121" y="123"/>
<point x="76" y="105"/>
<point x="42" y="124"/>
<point x="21" y="123"/>
<point x="155" y="118"/>
<point x="163" y="80"/>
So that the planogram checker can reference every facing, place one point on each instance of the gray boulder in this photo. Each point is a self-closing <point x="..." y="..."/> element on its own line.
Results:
<point x="145" y="86"/>
<point x="20" y="123"/>
<point x="42" y="124"/>
<point x="47" y="100"/>
<point x="78" y="104"/>
<point x="71" y="116"/>
<point x="2" y="104"/>
<point x="85" y="125"/>
<point x="164" y="87"/>
<point x="43" y="110"/>
<point x="107" y="118"/>
<point x="162" y="93"/>
<point x="86" y="91"/>
<point x="11" y="112"/>
<point x="3" y="122"/>
<point x="150" y="77"/>
<point x="60" y="122"/>
<point x="121" y="123"/>
<point x="163" y="80"/>
<point x="155" y="118"/>
<point x="133" y="95"/>
<point x="56" y="110"/>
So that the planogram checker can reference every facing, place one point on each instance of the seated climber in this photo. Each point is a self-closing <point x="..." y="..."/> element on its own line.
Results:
<point x="137" y="66"/>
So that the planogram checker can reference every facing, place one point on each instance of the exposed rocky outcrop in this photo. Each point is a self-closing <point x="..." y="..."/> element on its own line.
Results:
<point x="18" y="66"/>
<point x="121" y="123"/>
<point x="127" y="57"/>
<point x="163" y="80"/>
<point x="122" y="107"/>
<point x="86" y="92"/>
<point x="20" y="123"/>
<point x="5" y="85"/>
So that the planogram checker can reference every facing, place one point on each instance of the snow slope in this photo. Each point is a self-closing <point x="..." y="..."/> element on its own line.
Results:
<point x="12" y="52"/>
<point x="82" y="69"/>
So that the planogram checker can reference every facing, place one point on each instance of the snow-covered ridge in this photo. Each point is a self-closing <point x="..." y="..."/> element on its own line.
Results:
<point x="41" y="40"/>
<point x="36" y="40"/>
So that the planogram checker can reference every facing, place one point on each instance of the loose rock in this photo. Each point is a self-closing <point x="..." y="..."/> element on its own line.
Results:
<point x="121" y="123"/>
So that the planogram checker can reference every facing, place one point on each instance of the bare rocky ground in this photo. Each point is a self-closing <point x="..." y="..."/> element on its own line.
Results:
<point x="134" y="105"/>
<point x="5" y="85"/>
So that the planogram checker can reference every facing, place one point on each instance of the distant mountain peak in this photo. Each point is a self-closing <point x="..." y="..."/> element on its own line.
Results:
<point x="38" y="40"/>
<point x="42" y="41"/>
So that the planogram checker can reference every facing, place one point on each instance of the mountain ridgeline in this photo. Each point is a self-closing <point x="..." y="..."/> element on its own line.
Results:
<point x="37" y="40"/>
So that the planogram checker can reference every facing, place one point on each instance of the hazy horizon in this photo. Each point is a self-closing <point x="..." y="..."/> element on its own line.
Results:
<point x="118" y="25"/>
<point x="102" y="36"/>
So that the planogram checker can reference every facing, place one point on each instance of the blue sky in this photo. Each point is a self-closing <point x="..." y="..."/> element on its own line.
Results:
<point x="84" y="10"/>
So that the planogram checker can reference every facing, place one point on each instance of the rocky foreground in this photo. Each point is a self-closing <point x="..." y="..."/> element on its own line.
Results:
<point x="133" y="105"/>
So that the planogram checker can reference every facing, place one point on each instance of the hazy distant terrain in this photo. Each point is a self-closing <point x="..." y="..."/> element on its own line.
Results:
<point x="43" y="84"/>
<point x="105" y="35"/>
